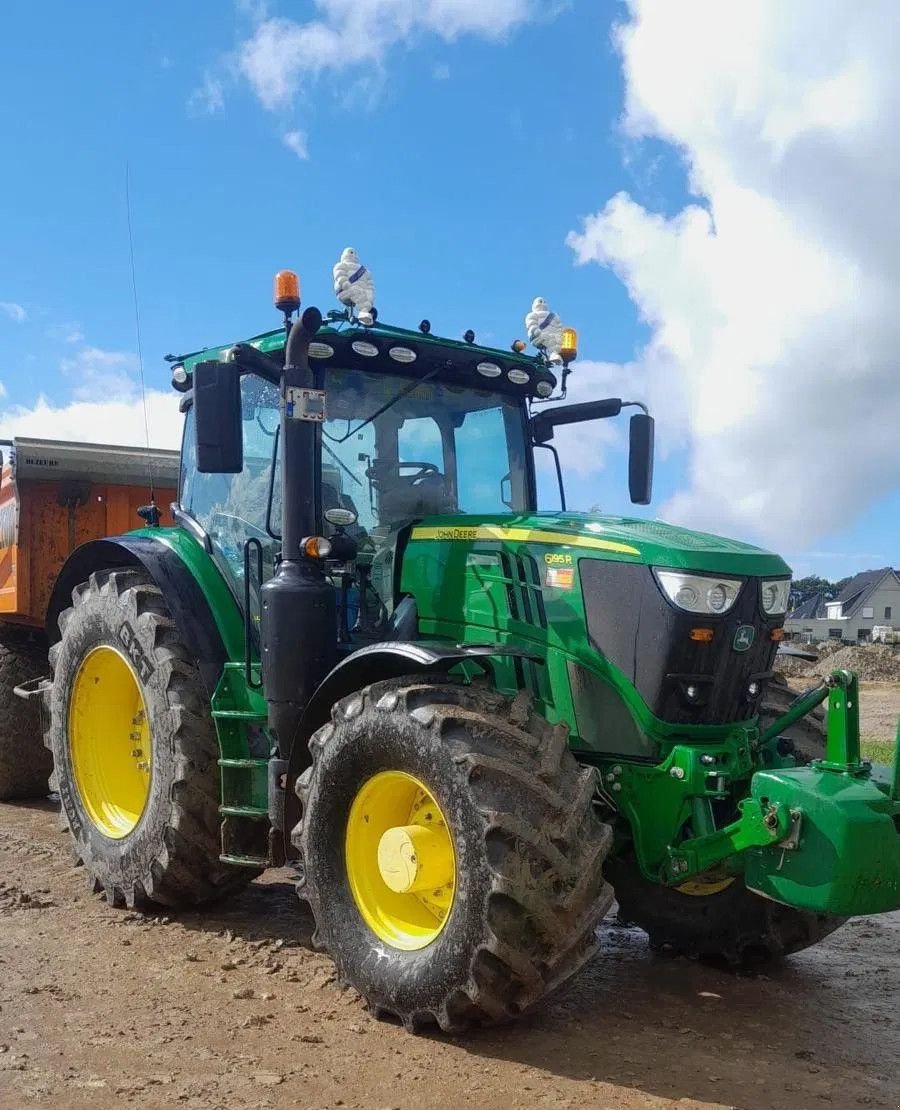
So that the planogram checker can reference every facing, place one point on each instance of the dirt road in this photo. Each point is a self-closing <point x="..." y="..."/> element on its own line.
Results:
<point x="231" y="1008"/>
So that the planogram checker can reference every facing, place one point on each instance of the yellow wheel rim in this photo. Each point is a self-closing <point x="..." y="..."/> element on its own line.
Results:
<point x="400" y="861"/>
<point x="109" y="742"/>
<point x="704" y="885"/>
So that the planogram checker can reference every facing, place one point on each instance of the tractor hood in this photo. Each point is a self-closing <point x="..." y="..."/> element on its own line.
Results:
<point x="649" y="542"/>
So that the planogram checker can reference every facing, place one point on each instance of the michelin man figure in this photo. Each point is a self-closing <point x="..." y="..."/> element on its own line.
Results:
<point x="545" y="329"/>
<point x="354" y="286"/>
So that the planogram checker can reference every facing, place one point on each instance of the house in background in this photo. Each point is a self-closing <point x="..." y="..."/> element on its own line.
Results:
<point x="869" y="599"/>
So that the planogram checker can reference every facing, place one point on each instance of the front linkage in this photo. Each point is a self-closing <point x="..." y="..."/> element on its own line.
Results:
<point x="822" y="837"/>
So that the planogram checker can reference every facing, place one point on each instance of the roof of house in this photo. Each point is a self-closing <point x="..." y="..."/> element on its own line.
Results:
<point x="809" y="609"/>
<point x="860" y="587"/>
<point x="858" y="590"/>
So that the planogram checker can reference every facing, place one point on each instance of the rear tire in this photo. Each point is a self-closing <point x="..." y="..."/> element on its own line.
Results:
<point x="528" y="892"/>
<point x="171" y="854"/>
<point x="733" y="924"/>
<point x="25" y="764"/>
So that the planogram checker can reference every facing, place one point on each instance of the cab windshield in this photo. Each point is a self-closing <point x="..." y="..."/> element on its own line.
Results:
<point x="394" y="450"/>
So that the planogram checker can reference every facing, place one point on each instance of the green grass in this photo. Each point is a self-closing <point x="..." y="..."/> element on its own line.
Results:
<point x="879" y="751"/>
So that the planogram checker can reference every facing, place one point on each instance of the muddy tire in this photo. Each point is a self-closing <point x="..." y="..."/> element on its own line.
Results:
<point x="171" y="854"/>
<point x="807" y="734"/>
<point x="733" y="924"/>
<point x="25" y="764"/>
<point x="528" y="891"/>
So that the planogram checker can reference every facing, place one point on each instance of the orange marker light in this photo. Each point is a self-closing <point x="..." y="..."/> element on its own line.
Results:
<point x="777" y="634"/>
<point x="287" y="291"/>
<point x="702" y="635"/>
<point x="569" y="348"/>
<point x="519" y="346"/>
<point x="316" y="547"/>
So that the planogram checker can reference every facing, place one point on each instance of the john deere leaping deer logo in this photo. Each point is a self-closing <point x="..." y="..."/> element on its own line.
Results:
<point x="744" y="637"/>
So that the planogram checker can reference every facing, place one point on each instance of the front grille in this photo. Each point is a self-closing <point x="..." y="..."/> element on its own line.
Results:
<point x="634" y="626"/>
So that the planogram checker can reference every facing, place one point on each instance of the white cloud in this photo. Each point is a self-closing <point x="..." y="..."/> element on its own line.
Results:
<point x="105" y="406"/>
<point x="282" y="53"/>
<point x="14" y="311"/>
<point x="296" y="141"/>
<point x="95" y="373"/>
<point x="771" y="302"/>
<point x="209" y="98"/>
<point x="117" y="420"/>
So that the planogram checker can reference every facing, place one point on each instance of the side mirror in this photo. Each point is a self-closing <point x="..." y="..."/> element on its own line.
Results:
<point x="217" y="418"/>
<point x="543" y="425"/>
<point x="640" y="458"/>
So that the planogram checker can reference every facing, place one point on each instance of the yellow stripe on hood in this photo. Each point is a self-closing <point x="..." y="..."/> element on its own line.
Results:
<point x="465" y="534"/>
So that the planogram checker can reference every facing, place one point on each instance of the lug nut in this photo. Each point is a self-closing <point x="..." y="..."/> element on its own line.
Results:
<point x="677" y="772"/>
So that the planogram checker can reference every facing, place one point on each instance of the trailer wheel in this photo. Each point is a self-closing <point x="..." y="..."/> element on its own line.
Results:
<point x="718" y="917"/>
<point x="25" y="764"/>
<point x="450" y="852"/>
<point x="134" y="748"/>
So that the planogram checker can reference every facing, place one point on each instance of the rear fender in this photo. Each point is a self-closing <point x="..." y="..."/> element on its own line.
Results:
<point x="197" y="626"/>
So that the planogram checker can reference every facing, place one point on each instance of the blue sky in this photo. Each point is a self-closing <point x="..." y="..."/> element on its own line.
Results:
<point x="456" y="164"/>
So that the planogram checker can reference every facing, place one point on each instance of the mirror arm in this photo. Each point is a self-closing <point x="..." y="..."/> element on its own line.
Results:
<point x="559" y="474"/>
<point x="636" y="405"/>
<point x="248" y="358"/>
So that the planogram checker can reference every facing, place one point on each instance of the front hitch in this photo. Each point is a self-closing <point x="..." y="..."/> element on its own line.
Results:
<point x="824" y="838"/>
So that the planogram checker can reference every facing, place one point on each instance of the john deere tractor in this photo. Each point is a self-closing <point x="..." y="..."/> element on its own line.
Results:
<point x="468" y="724"/>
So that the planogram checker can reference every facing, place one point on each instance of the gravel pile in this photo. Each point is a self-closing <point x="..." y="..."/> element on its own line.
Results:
<point x="872" y="662"/>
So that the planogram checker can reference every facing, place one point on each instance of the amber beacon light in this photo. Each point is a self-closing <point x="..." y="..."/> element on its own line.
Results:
<point x="287" y="291"/>
<point x="569" y="346"/>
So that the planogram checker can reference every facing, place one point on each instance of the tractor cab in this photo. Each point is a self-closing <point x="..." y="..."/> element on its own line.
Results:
<point x="411" y="426"/>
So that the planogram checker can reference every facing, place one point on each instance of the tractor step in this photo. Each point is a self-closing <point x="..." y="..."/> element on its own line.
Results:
<point x="251" y="813"/>
<point x="256" y="862"/>
<point x="240" y="715"/>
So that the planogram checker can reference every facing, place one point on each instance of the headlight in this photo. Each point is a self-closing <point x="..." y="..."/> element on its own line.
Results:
<point x="697" y="593"/>
<point x="775" y="596"/>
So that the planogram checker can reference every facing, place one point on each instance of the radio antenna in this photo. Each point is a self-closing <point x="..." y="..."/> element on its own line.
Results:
<point x="140" y="353"/>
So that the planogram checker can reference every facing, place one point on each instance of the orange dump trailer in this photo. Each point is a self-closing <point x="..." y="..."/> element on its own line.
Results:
<point x="54" y="496"/>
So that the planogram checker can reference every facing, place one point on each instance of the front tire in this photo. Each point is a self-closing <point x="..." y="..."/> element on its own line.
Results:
<point x="134" y="748"/>
<point x="526" y="889"/>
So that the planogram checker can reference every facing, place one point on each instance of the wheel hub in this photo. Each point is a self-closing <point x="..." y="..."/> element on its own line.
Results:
<point x="413" y="858"/>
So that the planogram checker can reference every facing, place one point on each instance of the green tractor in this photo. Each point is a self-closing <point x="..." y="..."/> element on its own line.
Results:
<point x="468" y="724"/>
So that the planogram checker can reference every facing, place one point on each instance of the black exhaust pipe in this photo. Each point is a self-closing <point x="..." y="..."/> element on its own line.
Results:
<point x="298" y="632"/>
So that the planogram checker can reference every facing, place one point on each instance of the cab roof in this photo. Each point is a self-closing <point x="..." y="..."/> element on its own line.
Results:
<point x="385" y="348"/>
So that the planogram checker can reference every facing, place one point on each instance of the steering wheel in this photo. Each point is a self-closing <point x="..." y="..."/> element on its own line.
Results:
<point x="423" y="469"/>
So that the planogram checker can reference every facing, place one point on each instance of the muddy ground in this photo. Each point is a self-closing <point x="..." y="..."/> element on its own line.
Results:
<point x="232" y="1009"/>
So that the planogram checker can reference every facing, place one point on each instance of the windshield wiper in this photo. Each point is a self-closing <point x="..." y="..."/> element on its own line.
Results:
<point x="388" y="405"/>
